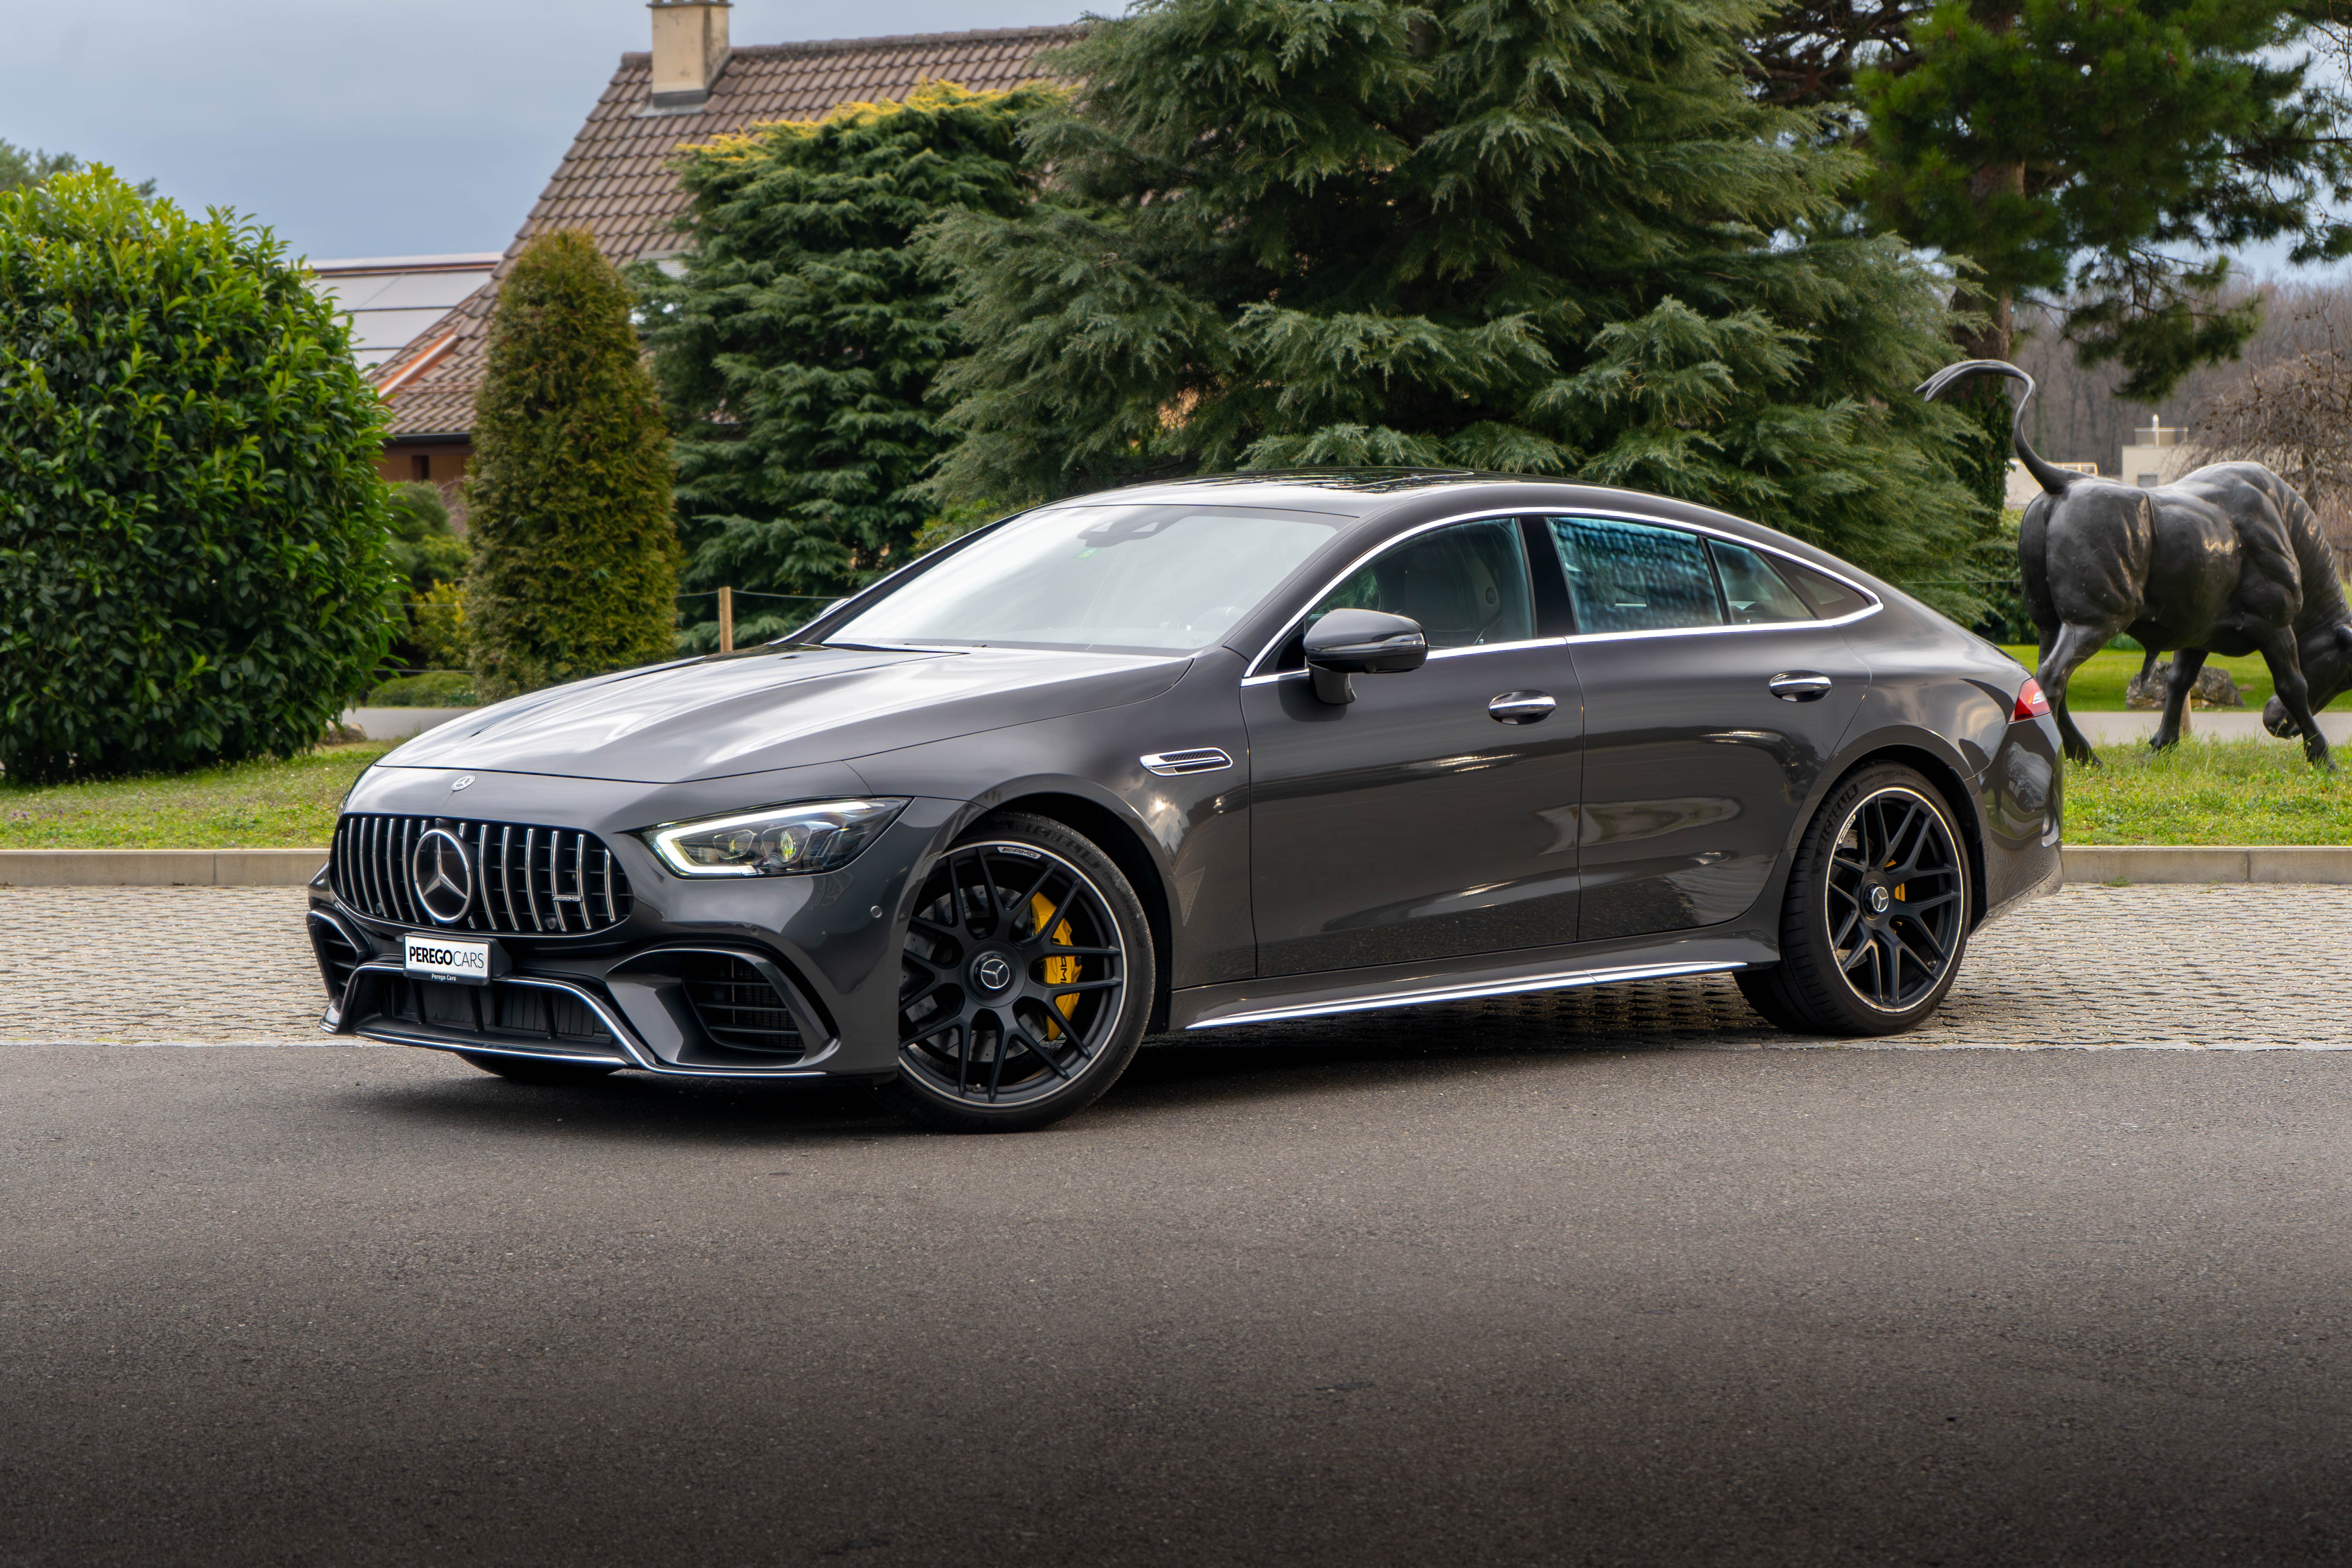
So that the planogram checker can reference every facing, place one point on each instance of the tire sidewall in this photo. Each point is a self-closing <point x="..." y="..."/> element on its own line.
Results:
<point x="909" y="1096"/>
<point x="1805" y="936"/>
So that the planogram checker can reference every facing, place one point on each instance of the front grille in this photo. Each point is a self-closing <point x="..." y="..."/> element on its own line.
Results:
<point x="532" y="881"/>
<point x="735" y="1006"/>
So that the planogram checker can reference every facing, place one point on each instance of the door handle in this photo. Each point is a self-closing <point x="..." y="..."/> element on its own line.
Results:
<point x="1520" y="707"/>
<point x="1798" y="686"/>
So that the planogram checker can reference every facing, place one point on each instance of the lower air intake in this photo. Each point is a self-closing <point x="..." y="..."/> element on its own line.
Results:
<point x="737" y="1006"/>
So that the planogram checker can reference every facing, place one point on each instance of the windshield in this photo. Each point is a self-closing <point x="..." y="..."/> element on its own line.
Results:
<point x="1155" y="579"/>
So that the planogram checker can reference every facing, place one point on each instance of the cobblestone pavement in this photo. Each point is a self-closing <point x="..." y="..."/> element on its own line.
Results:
<point x="2213" y="968"/>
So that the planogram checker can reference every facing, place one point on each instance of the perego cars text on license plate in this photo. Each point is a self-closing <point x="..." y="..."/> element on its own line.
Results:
<point x="438" y="958"/>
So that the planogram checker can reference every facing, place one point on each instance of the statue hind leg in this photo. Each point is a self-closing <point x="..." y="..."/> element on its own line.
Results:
<point x="2074" y="644"/>
<point x="2186" y="663"/>
<point x="2279" y="651"/>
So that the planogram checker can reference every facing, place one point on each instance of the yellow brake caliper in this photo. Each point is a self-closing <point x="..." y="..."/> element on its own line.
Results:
<point x="1063" y="971"/>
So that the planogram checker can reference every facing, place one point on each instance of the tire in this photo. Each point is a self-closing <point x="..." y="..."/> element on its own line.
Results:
<point x="1847" y="965"/>
<point x="539" y="1074"/>
<point x="1026" y="981"/>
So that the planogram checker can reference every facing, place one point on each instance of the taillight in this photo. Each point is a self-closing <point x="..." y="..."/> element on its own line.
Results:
<point x="2030" y="703"/>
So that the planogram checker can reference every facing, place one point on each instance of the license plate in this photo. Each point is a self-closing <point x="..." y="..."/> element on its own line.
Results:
<point x="440" y="958"/>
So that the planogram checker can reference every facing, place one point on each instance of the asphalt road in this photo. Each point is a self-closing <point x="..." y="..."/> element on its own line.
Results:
<point x="1367" y="1305"/>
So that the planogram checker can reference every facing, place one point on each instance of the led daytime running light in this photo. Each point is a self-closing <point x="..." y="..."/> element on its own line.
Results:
<point x="776" y="841"/>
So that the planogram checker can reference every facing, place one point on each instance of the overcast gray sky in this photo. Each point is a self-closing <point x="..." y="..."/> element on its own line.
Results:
<point x="368" y="127"/>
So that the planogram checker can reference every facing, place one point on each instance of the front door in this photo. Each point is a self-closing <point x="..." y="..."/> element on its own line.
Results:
<point x="1416" y="822"/>
<point x="1715" y="688"/>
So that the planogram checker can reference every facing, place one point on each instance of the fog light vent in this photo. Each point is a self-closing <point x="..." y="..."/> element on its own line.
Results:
<point x="737" y="1006"/>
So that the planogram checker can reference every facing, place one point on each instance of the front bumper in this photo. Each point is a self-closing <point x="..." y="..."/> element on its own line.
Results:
<point x="786" y="977"/>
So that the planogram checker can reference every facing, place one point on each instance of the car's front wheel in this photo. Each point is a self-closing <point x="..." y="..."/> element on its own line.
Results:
<point x="1876" y="916"/>
<point x="1026" y="982"/>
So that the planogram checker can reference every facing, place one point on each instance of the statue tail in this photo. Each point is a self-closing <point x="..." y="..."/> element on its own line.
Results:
<point x="2053" y="479"/>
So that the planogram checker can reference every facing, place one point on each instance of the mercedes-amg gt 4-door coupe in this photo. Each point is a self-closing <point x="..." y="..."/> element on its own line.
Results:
<point x="1193" y="756"/>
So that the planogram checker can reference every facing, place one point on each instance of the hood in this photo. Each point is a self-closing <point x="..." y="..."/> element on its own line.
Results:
<point x="779" y="707"/>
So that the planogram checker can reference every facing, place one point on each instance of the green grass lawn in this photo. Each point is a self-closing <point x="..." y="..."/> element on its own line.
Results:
<point x="2207" y="792"/>
<point x="258" y="803"/>
<point x="2098" y="685"/>
<point x="2200" y="792"/>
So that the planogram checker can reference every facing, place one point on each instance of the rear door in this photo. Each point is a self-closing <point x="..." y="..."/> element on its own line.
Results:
<point x="1716" y="684"/>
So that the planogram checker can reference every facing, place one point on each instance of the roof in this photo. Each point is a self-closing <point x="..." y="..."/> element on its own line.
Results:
<point x="394" y="300"/>
<point x="615" y="182"/>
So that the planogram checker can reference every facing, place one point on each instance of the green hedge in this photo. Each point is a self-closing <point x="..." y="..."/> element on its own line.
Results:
<point x="191" y="530"/>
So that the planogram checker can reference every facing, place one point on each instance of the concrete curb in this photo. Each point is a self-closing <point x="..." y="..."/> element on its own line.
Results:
<point x="292" y="868"/>
<point x="2211" y="863"/>
<point x="159" y="867"/>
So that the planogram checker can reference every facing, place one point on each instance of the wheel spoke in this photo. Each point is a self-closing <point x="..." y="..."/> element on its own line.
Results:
<point x="1838" y="938"/>
<point x="1903" y="933"/>
<point x="1076" y="986"/>
<point x="1037" y="1049"/>
<point x="1056" y="950"/>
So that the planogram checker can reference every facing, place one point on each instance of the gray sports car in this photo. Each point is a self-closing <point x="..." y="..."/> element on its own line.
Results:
<point x="1198" y="755"/>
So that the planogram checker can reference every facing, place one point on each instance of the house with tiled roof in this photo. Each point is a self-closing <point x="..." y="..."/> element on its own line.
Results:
<point x="616" y="181"/>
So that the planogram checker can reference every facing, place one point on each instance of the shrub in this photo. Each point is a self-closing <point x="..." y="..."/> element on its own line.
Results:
<point x="428" y="614"/>
<point x="191" y="530"/>
<point x="575" y="560"/>
<point x="438" y="689"/>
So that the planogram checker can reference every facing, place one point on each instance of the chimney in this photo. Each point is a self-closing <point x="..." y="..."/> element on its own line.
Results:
<point x="689" y="51"/>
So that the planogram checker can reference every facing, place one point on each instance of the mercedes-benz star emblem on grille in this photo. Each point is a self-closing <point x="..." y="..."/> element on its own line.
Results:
<point x="442" y="871"/>
<point x="461" y="784"/>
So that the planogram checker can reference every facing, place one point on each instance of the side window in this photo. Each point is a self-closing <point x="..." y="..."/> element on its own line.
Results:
<point x="1829" y="597"/>
<point x="1752" y="591"/>
<point x="1466" y="585"/>
<point x="1634" y="576"/>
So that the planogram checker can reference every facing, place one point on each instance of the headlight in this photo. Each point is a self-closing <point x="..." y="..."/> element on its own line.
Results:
<point x="780" y="841"/>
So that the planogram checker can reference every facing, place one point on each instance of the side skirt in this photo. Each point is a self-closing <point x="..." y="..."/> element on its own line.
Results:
<point x="1457" y="980"/>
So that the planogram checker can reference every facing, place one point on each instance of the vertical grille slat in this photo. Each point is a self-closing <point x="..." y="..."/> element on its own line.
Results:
<point x="505" y="883"/>
<point x="529" y="887"/>
<point x="571" y="883"/>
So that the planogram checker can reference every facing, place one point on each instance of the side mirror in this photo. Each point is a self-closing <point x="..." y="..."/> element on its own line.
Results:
<point x="1360" y="642"/>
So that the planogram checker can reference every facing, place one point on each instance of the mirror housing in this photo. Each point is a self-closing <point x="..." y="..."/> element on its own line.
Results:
<point x="1360" y="642"/>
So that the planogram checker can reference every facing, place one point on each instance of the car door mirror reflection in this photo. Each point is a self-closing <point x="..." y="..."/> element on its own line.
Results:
<point x="1347" y="643"/>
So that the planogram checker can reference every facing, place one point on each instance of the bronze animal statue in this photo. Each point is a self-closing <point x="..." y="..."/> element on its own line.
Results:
<point x="2227" y="560"/>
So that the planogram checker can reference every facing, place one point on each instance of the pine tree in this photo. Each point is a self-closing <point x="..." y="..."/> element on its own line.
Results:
<point x="574" y="567"/>
<point x="2108" y="157"/>
<point x="1556" y="238"/>
<point x="797" y="343"/>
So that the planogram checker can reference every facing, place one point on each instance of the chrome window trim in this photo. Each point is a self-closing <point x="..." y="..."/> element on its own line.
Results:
<point x="1556" y="980"/>
<point x="1257" y="675"/>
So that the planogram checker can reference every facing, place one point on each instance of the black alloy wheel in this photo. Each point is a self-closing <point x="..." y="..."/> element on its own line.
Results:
<point x="1026" y="981"/>
<point x="539" y="1074"/>
<point x="1876" y="916"/>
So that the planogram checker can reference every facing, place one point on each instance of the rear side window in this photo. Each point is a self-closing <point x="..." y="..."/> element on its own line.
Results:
<point x="1466" y="585"/>
<point x="1635" y="577"/>
<point x="1829" y="597"/>
<point x="1753" y="592"/>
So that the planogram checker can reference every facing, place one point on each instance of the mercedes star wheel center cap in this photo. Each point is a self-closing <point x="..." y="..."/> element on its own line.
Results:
<point x="991" y="971"/>
<point x="442" y="873"/>
<point x="1878" y="900"/>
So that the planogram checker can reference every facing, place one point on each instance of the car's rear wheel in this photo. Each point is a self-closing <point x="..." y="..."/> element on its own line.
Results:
<point x="1875" y="920"/>
<point x="1026" y="982"/>
<point x="543" y="1074"/>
